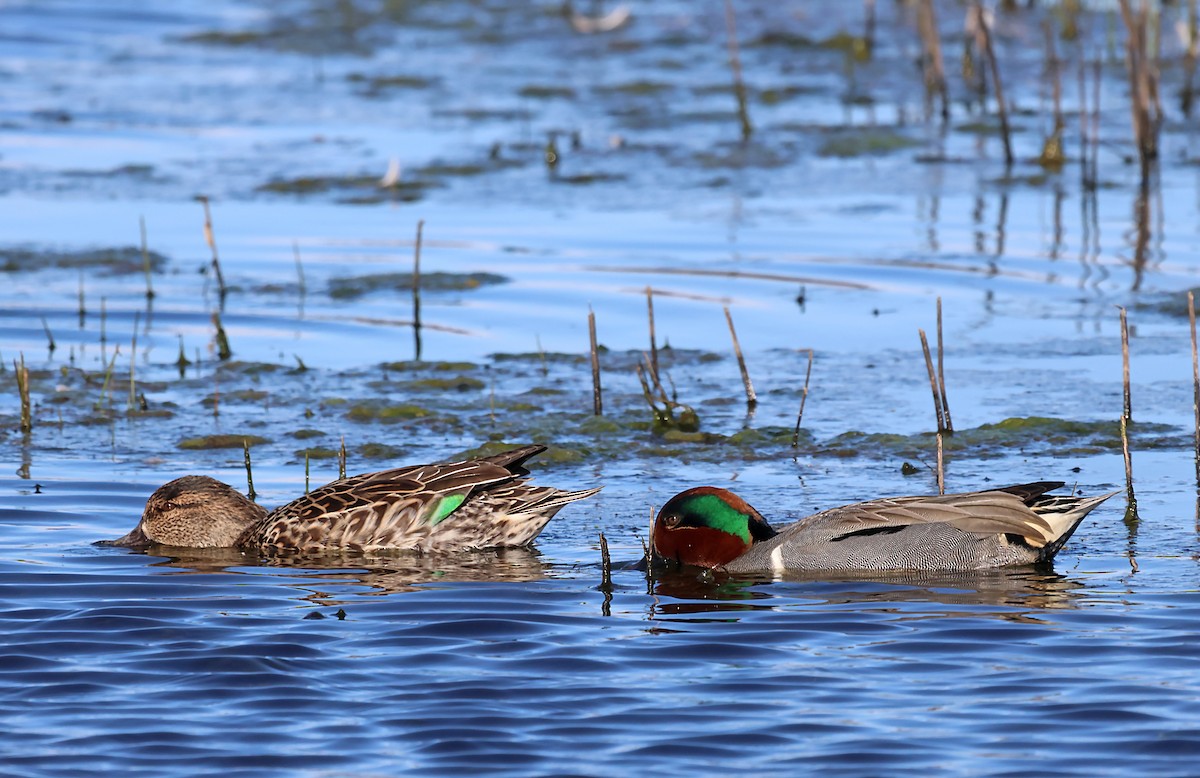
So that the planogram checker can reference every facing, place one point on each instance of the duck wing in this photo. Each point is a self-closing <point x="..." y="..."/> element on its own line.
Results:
<point x="993" y="512"/>
<point x="395" y="508"/>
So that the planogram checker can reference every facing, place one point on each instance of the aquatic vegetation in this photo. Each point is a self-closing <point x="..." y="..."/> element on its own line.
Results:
<point x="349" y="288"/>
<point x="119" y="260"/>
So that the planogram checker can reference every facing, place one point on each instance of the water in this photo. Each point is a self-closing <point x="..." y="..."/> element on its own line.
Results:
<point x="521" y="662"/>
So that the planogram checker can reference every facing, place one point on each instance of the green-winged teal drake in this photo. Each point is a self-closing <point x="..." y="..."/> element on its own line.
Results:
<point x="1013" y="525"/>
<point x="478" y="503"/>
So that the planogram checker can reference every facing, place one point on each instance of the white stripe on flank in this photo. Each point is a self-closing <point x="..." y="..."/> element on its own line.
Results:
<point x="777" y="559"/>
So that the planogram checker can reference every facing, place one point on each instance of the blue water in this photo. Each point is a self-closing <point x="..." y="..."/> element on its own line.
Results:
<point x="523" y="662"/>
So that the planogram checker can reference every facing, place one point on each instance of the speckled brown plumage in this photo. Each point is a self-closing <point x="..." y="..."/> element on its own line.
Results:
<point x="477" y="503"/>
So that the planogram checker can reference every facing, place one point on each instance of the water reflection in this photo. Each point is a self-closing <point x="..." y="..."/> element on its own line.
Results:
<point x="327" y="576"/>
<point x="1008" y="594"/>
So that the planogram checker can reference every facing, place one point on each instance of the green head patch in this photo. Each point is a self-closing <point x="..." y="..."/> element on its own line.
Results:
<point x="709" y="510"/>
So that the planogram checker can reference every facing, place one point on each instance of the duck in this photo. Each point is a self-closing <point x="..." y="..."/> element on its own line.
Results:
<point x="711" y="527"/>
<point x="472" y="504"/>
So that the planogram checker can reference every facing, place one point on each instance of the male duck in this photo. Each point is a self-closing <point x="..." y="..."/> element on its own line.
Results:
<point x="1012" y="525"/>
<point x="479" y="503"/>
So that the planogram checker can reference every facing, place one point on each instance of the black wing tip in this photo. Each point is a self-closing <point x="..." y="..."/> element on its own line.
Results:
<point x="514" y="459"/>
<point x="1031" y="491"/>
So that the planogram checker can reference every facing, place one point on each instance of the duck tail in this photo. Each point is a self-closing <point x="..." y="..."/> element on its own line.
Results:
<point x="514" y="459"/>
<point x="1064" y="514"/>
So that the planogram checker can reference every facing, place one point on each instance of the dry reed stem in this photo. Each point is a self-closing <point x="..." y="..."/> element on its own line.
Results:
<point x="146" y="259"/>
<point x="1128" y="462"/>
<point x="416" y="289"/>
<point x="803" y="400"/>
<point x="299" y="269"/>
<point x="1190" y="57"/>
<point x="211" y="240"/>
<point x="941" y="373"/>
<point x="342" y="459"/>
<point x="933" y="382"/>
<point x="1143" y="82"/>
<point x="1127" y="413"/>
<point x="933" y="68"/>
<point x="597" y="401"/>
<point x="249" y="473"/>
<point x="751" y="397"/>
<point x="49" y="335"/>
<point x="997" y="86"/>
<point x="133" y="363"/>
<point x="605" y="565"/>
<point x="941" y="466"/>
<point x="306" y="482"/>
<point x="222" y="340"/>
<point x="735" y="64"/>
<point x="1195" y="379"/>
<point x="23" y="394"/>
<point x="653" y="344"/>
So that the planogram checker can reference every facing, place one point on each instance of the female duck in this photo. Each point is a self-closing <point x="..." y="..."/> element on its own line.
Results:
<point x="478" y="503"/>
<point x="1013" y="525"/>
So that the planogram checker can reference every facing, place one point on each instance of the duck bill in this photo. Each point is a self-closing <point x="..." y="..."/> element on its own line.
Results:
<point x="135" y="539"/>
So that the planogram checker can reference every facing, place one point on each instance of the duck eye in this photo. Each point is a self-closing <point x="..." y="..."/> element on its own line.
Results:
<point x="671" y="522"/>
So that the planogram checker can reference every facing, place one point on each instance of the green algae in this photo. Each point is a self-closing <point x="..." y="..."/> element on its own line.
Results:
<point x="350" y="288"/>
<point x="862" y="143"/>
<point x="317" y="452"/>
<point x="379" y="451"/>
<point x="375" y="411"/>
<point x="209" y="442"/>
<point x="120" y="260"/>
<point x="547" y="92"/>
<point x="307" y="434"/>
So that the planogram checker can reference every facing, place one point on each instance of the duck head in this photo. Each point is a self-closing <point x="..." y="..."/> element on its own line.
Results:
<point x="193" y="512"/>
<point x="708" y="527"/>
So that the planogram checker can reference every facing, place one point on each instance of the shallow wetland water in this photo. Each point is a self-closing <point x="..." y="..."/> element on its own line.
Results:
<point x="835" y="228"/>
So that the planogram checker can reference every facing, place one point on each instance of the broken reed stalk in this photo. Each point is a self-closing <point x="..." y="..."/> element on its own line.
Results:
<point x="49" y="335"/>
<point x="605" y="565"/>
<point x="1143" y="82"/>
<point x="1085" y="179"/>
<point x="803" y="400"/>
<point x="146" y="259"/>
<point x="1052" y="148"/>
<point x="103" y="324"/>
<point x="932" y="66"/>
<point x="997" y="86"/>
<point x="653" y="345"/>
<point x="299" y="269"/>
<point x="1131" y="511"/>
<point x="82" y="307"/>
<point x="342" y="460"/>
<point x="222" y="341"/>
<point x="23" y="394"/>
<point x="216" y="393"/>
<point x="416" y="290"/>
<point x="941" y="466"/>
<point x="597" y="402"/>
<point x="212" y="245"/>
<point x="249" y="473"/>
<point x="133" y="363"/>
<point x="542" y="356"/>
<point x="306" y="460"/>
<point x="1127" y="413"/>
<point x="1195" y="379"/>
<point x="182" y="362"/>
<point x="1189" y="58"/>
<point x="108" y="374"/>
<point x="869" y="23"/>
<point x="933" y="382"/>
<point x="751" y="397"/>
<point x="941" y="373"/>
<point x="735" y="64"/>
